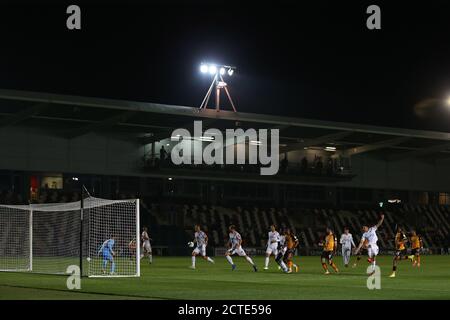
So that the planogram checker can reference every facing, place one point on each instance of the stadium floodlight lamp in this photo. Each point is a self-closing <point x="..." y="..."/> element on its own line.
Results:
<point x="212" y="69"/>
<point x="203" y="68"/>
<point x="215" y="69"/>
<point x="218" y="71"/>
<point x="448" y="101"/>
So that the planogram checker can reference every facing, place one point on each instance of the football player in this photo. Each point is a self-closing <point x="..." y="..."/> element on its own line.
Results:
<point x="132" y="249"/>
<point x="292" y="242"/>
<point x="416" y="247"/>
<point x="347" y="243"/>
<point x="370" y="235"/>
<point x="272" y="245"/>
<point x="108" y="254"/>
<point x="235" y="245"/>
<point x="329" y="248"/>
<point x="201" y="239"/>
<point x="400" y="250"/>
<point x="146" y="246"/>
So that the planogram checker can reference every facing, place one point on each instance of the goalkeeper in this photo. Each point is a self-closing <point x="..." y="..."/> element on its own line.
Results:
<point x="108" y="255"/>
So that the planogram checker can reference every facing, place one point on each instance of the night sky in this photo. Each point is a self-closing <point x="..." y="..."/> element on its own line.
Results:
<point x="314" y="61"/>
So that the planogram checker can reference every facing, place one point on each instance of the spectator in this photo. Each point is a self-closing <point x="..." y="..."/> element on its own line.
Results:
<point x="329" y="166"/>
<point x="284" y="164"/>
<point x="162" y="153"/>
<point x="319" y="165"/>
<point x="304" y="165"/>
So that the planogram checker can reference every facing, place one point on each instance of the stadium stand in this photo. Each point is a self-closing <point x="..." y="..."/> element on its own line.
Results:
<point x="309" y="223"/>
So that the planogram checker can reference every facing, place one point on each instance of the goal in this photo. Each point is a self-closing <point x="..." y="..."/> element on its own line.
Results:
<point x="100" y="236"/>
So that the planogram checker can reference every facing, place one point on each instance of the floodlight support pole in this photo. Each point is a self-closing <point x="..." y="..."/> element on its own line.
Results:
<point x="217" y="98"/>
<point x="207" y="99"/>
<point x="208" y="94"/>
<point x="219" y="87"/>
<point x="229" y="96"/>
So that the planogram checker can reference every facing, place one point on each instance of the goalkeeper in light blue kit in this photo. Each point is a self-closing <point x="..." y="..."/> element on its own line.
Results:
<point x="108" y="255"/>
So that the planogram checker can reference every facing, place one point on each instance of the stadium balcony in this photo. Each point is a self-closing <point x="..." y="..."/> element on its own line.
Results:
<point x="152" y="164"/>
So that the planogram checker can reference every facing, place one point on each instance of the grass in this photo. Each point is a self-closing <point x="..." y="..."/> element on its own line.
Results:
<point x="170" y="278"/>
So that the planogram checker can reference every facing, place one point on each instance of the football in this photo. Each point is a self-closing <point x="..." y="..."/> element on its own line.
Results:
<point x="190" y="244"/>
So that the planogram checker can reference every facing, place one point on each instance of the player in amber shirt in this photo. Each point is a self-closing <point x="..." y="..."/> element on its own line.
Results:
<point x="400" y="250"/>
<point x="416" y="246"/>
<point x="329" y="247"/>
<point x="291" y="241"/>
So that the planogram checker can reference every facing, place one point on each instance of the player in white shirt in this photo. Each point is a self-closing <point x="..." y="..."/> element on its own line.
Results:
<point x="347" y="243"/>
<point x="281" y="249"/>
<point x="370" y="235"/>
<point x="146" y="246"/>
<point x="282" y="243"/>
<point x="201" y="240"/>
<point x="235" y="244"/>
<point x="272" y="245"/>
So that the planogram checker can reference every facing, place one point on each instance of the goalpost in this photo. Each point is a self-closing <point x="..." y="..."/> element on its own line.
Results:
<point x="47" y="238"/>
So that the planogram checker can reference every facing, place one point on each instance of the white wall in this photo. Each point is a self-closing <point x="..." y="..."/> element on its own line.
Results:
<point x="408" y="174"/>
<point x="26" y="149"/>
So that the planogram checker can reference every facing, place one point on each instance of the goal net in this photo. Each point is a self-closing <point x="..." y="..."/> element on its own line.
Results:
<point x="100" y="236"/>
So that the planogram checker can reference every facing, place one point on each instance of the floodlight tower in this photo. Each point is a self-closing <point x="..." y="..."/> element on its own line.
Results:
<point x="217" y="71"/>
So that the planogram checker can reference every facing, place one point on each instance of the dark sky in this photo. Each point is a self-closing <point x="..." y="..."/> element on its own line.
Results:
<point x="314" y="61"/>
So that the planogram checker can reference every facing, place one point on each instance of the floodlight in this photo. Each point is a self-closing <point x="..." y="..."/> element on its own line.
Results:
<point x="217" y="71"/>
<point x="212" y="69"/>
<point x="448" y="101"/>
<point x="203" y="68"/>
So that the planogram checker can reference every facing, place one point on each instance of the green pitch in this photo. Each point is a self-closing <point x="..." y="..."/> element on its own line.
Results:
<point x="170" y="278"/>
